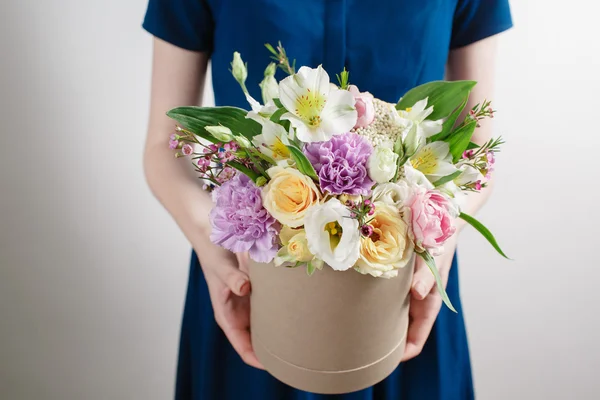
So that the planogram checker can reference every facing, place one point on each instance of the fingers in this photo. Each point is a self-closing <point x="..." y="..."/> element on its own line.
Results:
<point x="237" y="281"/>
<point x="423" y="280"/>
<point x="240" y="340"/>
<point x="243" y="261"/>
<point x="423" y="318"/>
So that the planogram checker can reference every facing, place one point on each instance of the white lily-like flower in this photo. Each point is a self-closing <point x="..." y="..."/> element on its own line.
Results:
<point x="415" y="177"/>
<point x="415" y="117"/>
<point x="260" y="113"/>
<point x="332" y="234"/>
<point x="273" y="141"/>
<point x="469" y="174"/>
<point x="315" y="108"/>
<point x="434" y="161"/>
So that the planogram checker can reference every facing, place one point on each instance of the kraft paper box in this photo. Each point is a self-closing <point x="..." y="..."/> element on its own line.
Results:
<point x="330" y="333"/>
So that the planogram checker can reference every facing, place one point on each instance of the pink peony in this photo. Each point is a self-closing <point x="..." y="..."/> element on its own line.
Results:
<point x="364" y="107"/>
<point x="432" y="220"/>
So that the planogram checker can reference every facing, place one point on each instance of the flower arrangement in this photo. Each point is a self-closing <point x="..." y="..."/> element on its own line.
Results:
<point x="322" y="175"/>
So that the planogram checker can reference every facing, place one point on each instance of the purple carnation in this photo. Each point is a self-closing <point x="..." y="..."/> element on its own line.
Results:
<point x="341" y="163"/>
<point x="241" y="223"/>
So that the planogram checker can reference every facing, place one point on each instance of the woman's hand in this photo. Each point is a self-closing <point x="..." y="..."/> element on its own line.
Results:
<point x="228" y="283"/>
<point x="425" y="302"/>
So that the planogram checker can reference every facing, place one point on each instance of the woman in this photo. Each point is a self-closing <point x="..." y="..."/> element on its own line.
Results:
<point x="389" y="46"/>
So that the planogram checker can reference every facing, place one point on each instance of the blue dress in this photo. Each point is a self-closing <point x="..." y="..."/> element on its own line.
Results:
<point x="389" y="46"/>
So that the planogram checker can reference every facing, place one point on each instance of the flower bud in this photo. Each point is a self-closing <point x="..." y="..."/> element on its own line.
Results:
<point x="270" y="70"/>
<point x="221" y="133"/>
<point x="269" y="88"/>
<point x="243" y="142"/>
<point x="261" y="181"/>
<point x="238" y="69"/>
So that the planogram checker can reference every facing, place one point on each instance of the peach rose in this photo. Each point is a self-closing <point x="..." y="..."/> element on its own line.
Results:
<point x="288" y="195"/>
<point x="389" y="247"/>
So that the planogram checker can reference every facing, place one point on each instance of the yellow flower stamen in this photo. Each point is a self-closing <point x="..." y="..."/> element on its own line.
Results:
<point x="425" y="161"/>
<point x="309" y="107"/>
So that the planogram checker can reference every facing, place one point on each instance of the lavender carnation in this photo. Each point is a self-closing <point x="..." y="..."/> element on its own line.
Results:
<point x="241" y="223"/>
<point x="341" y="164"/>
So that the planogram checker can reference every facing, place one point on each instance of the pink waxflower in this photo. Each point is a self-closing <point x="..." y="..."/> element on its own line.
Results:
<point x="173" y="144"/>
<point x="187" y="149"/>
<point x="204" y="163"/>
<point x="364" y="107"/>
<point x="432" y="220"/>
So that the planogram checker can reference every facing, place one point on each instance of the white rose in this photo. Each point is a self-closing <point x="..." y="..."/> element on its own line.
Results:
<point x="382" y="164"/>
<point x="394" y="194"/>
<point x="332" y="235"/>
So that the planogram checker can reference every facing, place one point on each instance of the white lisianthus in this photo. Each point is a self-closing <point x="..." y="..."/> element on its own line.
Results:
<point x="382" y="164"/>
<point x="469" y="174"/>
<point x="415" y="117"/>
<point x="394" y="194"/>
<point x="416" y="177"/>
<point x="239" y="69"/>
<point x="332" y="234"/>
<point x="316" y="109"/>
<point x="269" y="87"/>
<point x="273" y="141"/>
<point x="434" y="161"/>
<point x="220" y="132"/>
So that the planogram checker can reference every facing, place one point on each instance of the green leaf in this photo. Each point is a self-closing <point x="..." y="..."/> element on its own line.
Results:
<point x="277" y="102"/>
<point x="244" y="170"/>
<point x="276" y="117"/>
<point x="449" y="124"/>
<point x="438" y="279"/>
<point x="484" y="231"/>
<point x="472" y="146"/>
<point x="398" y="147"/>
<point x="444" y="96"/>
<point x="302" y="162"/>
<point x="310" y="269"/>
<point x="447" y="178"/>
<point x="459" y="140"/>
<point x="195" y="119"/>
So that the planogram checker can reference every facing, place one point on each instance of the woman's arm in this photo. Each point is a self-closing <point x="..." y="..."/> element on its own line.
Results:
<point x="473" y="62"/>
<point x="178" y="80"/>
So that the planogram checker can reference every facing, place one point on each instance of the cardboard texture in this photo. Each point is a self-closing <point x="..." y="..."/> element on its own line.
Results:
<point x="331" y="333"/>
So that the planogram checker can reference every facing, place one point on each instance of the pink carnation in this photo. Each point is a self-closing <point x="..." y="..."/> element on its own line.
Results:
<point x="364" y="107"/>
<point x="432" y="220"/>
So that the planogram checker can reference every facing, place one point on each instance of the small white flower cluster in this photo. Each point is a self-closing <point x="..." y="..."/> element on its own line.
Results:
<point x="383" y="129"/>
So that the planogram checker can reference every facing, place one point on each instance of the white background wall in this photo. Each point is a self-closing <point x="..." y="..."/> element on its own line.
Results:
<point x="93" y="272"/>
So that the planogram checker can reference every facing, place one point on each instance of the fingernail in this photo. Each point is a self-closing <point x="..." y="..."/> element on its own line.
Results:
<point x="420" y="289"/>
<point x="242" y="286"/>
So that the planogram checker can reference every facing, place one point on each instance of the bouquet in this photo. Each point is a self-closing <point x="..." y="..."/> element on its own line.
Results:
<point x="322" y="175"/>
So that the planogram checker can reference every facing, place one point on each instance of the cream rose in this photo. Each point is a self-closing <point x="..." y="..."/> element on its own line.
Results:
<point x="289" y="195"/>
<point x="382" y="164"/>
<point x="389" y="247"/>
<point x="295" y="247"/>
<point x="394" y="194"/>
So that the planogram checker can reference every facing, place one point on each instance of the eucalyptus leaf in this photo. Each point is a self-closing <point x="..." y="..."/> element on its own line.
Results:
<point x="459" y="140"/>
<point x="444" y="96"/>
<point x="195" y="119"/>
<point x="447" y="178"/>
<point x="302" y="162"/>
<point x="484" y="231"/>
<point x="438" y="279"/>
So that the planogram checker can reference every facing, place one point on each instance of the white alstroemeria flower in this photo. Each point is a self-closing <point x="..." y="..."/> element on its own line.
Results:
<point x="434" y="161"/>
<point x="273" y="141"/>
<point x="260" y="113"/>
<point x="315" y="108"/>
<point x="416" y="117"/>
<point x="332" y="235"/>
